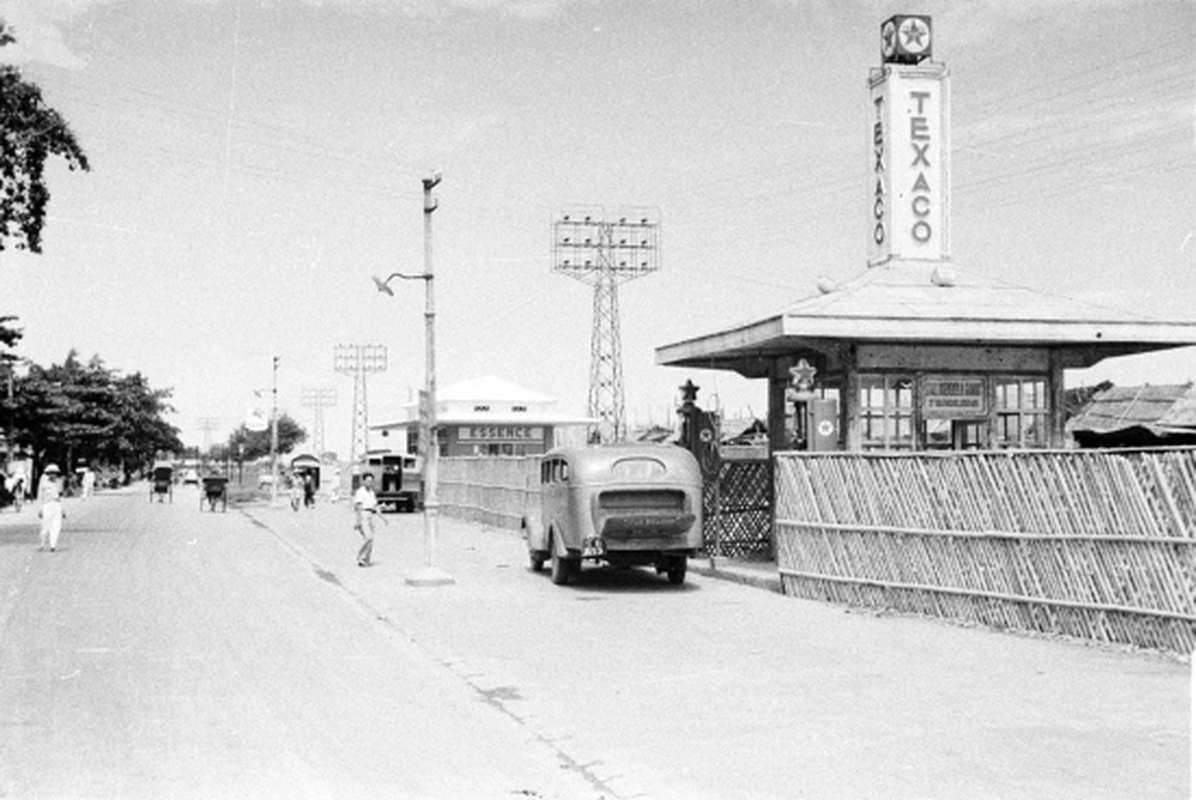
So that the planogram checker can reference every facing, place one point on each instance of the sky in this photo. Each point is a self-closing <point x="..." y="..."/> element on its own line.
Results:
<point x="254" y="162"/>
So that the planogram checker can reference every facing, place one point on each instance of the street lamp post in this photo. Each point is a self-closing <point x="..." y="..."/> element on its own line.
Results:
<point x="274" y="438"/>
<point x="429" y="574"/>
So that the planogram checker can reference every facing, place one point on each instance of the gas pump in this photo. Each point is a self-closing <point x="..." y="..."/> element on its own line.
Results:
<point x="699" y="432"/>
<point x="815" y="420"/>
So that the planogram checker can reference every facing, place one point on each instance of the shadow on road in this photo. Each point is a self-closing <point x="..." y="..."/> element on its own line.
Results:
<point x="629" y="580"/>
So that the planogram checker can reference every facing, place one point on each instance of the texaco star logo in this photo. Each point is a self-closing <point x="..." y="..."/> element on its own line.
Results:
<point x="888" y="39"/>
<point x="802" y="376"/>
<point x="915" y="36"/>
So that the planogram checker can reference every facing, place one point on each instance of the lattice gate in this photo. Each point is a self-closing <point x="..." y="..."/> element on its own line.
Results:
<point x="737" y="510"/>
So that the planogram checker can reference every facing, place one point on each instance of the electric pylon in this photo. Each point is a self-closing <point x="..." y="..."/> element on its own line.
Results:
<point x="605" y="252"/>
<point x="318" y="398"/>
<point x="206" y="425"/>
<point x="360" y="360"/>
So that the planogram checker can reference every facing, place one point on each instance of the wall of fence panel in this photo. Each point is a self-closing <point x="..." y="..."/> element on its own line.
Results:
<point x="492" y="490"/>
<point x="737" y="510"/>
<point x="1094" y="544"/>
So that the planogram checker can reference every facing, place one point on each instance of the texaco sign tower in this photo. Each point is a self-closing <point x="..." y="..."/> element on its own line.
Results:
<point x="908" y="172"/>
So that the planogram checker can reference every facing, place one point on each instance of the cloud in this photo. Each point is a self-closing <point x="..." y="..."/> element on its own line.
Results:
<point x="37" y="26"/>
<point x="520" y="9"/>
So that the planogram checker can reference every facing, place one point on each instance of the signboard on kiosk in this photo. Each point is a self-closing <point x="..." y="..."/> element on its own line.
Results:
<point x="954" y="397"/>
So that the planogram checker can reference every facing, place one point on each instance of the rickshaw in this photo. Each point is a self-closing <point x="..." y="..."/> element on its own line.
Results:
<point x="215" y="490"/>
<point x="162" y="482"/>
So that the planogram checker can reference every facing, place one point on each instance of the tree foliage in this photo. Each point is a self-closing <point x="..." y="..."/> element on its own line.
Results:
<point x="9" y="336"/>
<point x="72" y="413"/>
<point x="30" y="132"/>
<point x="257" y="443"/>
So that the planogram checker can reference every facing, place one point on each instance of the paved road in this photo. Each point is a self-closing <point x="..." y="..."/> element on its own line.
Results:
<point x="165" y="652"/>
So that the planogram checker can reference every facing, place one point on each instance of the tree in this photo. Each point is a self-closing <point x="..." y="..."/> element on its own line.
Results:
<point x="257" y="443"/>
<point x="74" y="412"/>
<point x="9" y="336"/>
<point x="30" y="132"/>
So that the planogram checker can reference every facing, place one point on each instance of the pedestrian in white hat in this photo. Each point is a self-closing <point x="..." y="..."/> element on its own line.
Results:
<point x="49" y="493"/>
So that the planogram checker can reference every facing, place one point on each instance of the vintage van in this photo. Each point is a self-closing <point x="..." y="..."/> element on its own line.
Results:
<point x="625" y="504"/>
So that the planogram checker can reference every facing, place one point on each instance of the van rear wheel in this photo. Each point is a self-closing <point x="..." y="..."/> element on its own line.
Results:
<point x="561" y="568"/>
<point x="676" y="569"/>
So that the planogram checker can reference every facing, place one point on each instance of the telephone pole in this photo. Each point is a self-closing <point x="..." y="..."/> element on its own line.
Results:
<point x="605" y="252"/>
<point x="274" y="436"/>
<point x="429" y="575"/>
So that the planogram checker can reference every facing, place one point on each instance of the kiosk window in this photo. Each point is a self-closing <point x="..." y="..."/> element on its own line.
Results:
<point x="887" y="412"/>
<point x="1021" y="412"/>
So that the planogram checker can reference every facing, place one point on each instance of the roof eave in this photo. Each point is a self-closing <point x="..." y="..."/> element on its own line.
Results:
<point x="731" y="348"/>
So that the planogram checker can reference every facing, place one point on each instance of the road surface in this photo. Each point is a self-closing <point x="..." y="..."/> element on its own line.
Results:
<point x="168" y="652"/>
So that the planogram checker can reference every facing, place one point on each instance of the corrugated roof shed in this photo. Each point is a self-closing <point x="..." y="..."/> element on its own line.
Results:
<point x="1161" y="411"/>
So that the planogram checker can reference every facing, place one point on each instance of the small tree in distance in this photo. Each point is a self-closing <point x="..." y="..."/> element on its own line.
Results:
<point x="257" y="443"/>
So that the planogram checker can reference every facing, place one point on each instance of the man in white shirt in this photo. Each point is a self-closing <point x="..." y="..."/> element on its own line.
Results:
<point x="49" y="494"/>
<point x="365" y="509"/>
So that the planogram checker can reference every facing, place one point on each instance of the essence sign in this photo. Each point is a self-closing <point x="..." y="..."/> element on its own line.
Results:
<point x="907" y="175"/>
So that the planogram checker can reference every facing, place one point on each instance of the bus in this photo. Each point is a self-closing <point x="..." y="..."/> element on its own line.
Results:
<point x="398" y="480"/>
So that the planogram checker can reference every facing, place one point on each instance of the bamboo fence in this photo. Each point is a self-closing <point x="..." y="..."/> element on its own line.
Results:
<point x="1092" y="544"/>
<point x="492" y="490"/>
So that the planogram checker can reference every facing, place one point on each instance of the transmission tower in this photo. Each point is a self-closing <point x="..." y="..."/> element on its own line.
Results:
<point x="359" y="360"/>
<point x="605" y="252"/>
<point x="318" y="398"/>
<point x="206" y="425"/>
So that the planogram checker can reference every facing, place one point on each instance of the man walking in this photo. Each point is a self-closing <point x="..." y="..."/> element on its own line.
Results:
<point x="365" y="509"/>
<point x="49" y="494"/>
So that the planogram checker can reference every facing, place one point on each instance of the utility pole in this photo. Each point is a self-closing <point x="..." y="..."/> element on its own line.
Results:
<point x="274" y="438"/>
<point x="429" y="438"/>
<point x="8" y="427"/>
<point x="430" y="575"/>
<point x="591" y="248"/>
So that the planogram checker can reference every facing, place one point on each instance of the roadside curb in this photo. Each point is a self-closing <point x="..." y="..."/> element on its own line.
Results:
<point x="760" y="577"/>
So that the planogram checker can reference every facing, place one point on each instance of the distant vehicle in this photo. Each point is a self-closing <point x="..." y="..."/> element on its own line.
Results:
<point x="190" y="476"/>
<point x="265" y="480"/>
<point x="162" y="482"/>
<point x="623" y="504"/>
<point x="398" y="480"/>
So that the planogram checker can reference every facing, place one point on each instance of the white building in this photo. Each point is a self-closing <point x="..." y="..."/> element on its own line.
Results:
<point x="487" y="416"/>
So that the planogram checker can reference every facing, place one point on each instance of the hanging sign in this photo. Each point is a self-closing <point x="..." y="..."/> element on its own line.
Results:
<point x="954" y="397"/>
